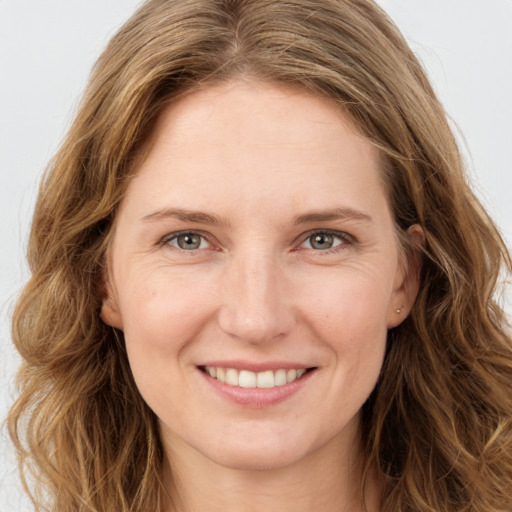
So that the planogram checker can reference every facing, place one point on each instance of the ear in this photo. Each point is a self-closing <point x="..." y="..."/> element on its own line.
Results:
<point x="110" y="313"/>
<point x="407" y="282"/>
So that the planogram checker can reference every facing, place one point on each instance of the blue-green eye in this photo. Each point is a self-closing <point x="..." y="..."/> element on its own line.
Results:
<point x="323" y="240"/>
<point x="189" y="241"/>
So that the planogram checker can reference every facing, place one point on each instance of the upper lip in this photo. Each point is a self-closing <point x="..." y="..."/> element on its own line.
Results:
<point x="256" y="366"/>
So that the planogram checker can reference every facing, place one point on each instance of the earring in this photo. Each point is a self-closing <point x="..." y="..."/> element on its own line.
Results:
<point x="398" y="311"/>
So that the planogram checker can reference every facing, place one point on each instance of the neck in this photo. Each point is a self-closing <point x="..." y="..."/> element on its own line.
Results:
<point x="328" y="480"/>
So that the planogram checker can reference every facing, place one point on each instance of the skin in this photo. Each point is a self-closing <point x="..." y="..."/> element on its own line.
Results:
<point x="259" y="158"/>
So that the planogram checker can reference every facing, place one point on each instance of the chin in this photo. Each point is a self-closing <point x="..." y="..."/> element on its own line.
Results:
<point x="256" y="459"/>
<point x="260" y="454"/>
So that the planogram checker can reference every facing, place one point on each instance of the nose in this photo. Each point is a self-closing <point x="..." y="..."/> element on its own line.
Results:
<point x="256" y="306"/>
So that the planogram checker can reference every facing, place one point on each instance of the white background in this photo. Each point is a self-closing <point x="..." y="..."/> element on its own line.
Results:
<point x="48" y="47"/>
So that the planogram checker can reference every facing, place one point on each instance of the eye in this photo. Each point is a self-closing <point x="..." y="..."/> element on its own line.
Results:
<point x="324" y="240"/>
<point x="187" y="241"/>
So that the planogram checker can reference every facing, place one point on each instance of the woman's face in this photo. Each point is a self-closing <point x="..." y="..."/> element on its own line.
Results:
<point x="256" y="244"/>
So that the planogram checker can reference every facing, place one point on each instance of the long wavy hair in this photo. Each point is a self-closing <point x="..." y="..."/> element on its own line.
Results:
<point x="438" y="426"/>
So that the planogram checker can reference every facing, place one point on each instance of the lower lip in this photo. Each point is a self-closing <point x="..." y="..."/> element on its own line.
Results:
<point x="257" y="398"/>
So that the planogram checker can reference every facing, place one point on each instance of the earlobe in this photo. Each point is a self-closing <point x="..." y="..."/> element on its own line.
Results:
<point x="110" y="313"/>
<point x="408" y="284"/>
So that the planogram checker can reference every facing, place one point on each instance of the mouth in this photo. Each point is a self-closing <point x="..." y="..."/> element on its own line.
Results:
<point x="267" y="379"/>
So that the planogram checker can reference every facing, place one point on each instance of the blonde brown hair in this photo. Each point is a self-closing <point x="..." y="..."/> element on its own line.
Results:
<point x="438" y="426"/>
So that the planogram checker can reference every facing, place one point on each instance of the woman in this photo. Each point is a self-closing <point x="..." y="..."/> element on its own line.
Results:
<point x="260" y="280"/>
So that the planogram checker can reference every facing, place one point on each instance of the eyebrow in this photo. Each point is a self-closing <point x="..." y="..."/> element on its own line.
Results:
<point x="194" y="216"/>
<point x="334" y="214"/>
<point x="200" y="217"/>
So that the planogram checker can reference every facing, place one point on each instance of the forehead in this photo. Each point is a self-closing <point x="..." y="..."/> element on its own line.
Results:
<point x="255" y="140"/>
<point x="245" y="108"/>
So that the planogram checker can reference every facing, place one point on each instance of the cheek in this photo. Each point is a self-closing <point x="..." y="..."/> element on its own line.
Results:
<point x="161" y="318"/>
<point x="161" y="311"/>
<point x="349" y="316"/>
<point x="347" y="303"/>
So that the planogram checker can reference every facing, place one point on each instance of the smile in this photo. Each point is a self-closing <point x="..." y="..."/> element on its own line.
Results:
<point x="247" y="379"/>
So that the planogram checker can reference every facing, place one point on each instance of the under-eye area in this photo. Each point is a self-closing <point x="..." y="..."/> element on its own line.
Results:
<point x="248" y="379"/>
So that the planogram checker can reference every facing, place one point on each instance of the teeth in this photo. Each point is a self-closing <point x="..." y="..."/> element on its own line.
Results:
<point x="231" y="377"/>
<point x="280" y="378"/>
<point x="265" y="379"/>
<point x="247" y="379"/>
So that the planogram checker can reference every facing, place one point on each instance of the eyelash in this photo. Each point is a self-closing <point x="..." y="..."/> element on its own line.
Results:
<point x="343" y="238"/>
<point x="174" y="236"/>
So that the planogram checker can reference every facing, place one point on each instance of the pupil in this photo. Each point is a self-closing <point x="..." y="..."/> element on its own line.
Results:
<point x="322" y="241"/>
<point x="189" y="241"/>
